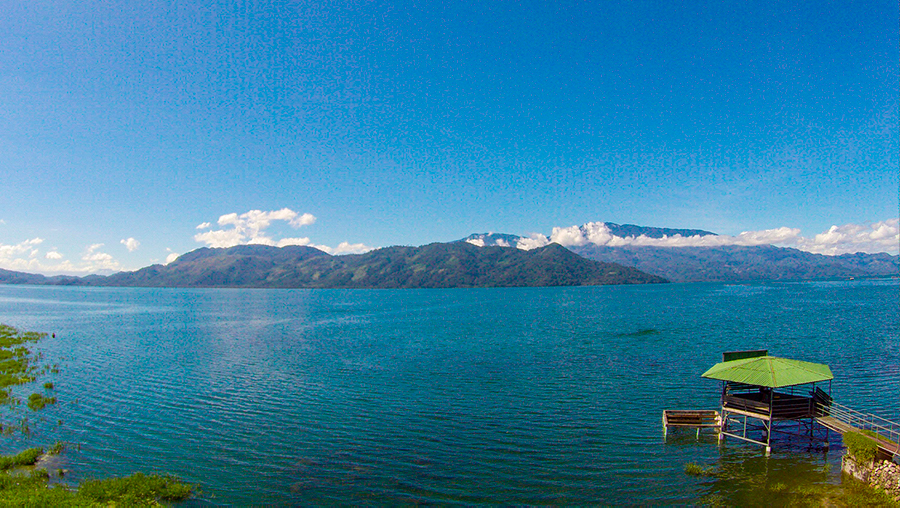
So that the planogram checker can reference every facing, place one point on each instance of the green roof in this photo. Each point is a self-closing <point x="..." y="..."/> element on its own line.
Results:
<point x="769" y="371"/>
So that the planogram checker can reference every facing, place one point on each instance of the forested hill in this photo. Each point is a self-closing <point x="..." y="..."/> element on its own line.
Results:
<point x="438" y="265"/>
<point x="743" y="263"/>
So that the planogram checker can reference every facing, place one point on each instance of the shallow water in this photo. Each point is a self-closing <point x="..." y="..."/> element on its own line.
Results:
<point x="511" y="396"/>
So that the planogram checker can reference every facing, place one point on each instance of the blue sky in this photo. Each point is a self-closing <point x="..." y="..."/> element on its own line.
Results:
<point x="409" y="123"/>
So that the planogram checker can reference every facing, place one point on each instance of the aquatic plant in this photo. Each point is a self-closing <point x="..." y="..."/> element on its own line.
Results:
<point x="698" y="470"/>
<point x="36" y="401"/>
<point x="16" y="361"/>
<point x="57" y="448"/>
<point x="747" y="483"/>
<point x="16" y="489"/>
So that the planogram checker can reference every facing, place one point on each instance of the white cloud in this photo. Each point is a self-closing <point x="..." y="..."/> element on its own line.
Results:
<point x="284" y="242"/>
<point x="533" y="241"/>
<point x="344" y="248"/>
<point x="131" y="244"/>
<point x="221" y="238"/>
<point x="304" y="220"/>
<point x="250" y="228"/>
<point x="881" y="236"/>
<point x="27" y="246"/>
<point x="478" y="242"/>
<point x="171" y="257"/>
<point x="24" y="257"/>
<point x="571" y="235"/>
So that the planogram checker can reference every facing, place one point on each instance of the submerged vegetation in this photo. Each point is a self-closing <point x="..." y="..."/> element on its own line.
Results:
<point x="698" y="470"/>
<point x="36" y="401"/>
<point x="738" y="485"/>
<point x="24" y="483"/>
<point x="16" y="362"/>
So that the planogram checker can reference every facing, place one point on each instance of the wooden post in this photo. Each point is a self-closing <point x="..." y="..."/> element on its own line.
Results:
<point x="771" y="422"/>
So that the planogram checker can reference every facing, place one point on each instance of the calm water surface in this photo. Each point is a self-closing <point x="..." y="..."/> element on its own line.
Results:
<point x="509" y="396"/>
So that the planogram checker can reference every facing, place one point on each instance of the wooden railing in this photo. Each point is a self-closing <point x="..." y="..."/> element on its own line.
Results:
<point x="884" y="428"/>
<point x="782" y="406"/>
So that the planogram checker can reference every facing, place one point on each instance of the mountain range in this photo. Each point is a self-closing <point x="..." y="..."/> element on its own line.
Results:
<point x="742" y="263"/>
<point x="487" y="260"/>
<point x="720" y="263"/>
<point x="437" y="265"/>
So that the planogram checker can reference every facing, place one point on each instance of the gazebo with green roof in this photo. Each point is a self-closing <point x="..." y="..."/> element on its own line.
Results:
<point x="767" y="389"/>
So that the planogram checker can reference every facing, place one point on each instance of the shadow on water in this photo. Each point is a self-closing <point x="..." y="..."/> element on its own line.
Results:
<point x="640" y="333"/>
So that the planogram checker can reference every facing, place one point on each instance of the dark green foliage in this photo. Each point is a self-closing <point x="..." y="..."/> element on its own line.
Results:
<point x="24" y="458"/>
<point x="48" y="386"/>
<point x="36" y="401"/>
<point x="860" y="447"/>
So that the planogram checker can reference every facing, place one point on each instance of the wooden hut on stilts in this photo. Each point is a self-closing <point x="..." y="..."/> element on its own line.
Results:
<point x="762" y="394"/>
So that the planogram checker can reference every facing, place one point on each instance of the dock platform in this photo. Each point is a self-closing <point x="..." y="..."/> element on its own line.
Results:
<point x="692" y="419"/>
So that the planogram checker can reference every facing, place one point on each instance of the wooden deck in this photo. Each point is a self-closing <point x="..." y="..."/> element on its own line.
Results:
<point x="691" y="418"/>
<point x="766" y="406"/>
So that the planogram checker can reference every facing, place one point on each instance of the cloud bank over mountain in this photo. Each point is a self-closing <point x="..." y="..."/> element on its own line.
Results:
<point x="250" y="229"/>
<point x="262" y="227"/>
<point x="883" y="236"/>
<point x="27" y="256"/>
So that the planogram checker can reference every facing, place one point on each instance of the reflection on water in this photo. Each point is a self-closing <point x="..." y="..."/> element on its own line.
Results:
<point x="512" y="396"/>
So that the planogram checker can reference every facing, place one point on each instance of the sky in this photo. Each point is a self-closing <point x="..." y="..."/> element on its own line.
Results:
<point x="131" y="132"/>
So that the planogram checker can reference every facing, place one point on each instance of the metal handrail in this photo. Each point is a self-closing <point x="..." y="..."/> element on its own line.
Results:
<point x="866" y="421"/>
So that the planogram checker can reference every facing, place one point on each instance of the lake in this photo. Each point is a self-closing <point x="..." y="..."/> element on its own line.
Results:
<point x="468" y="396"/>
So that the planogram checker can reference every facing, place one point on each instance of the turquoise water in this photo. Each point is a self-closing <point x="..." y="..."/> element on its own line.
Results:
<point x="509" y="396"/>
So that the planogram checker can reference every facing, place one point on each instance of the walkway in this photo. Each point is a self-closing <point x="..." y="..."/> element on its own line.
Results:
<point x="842" y="419"/>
